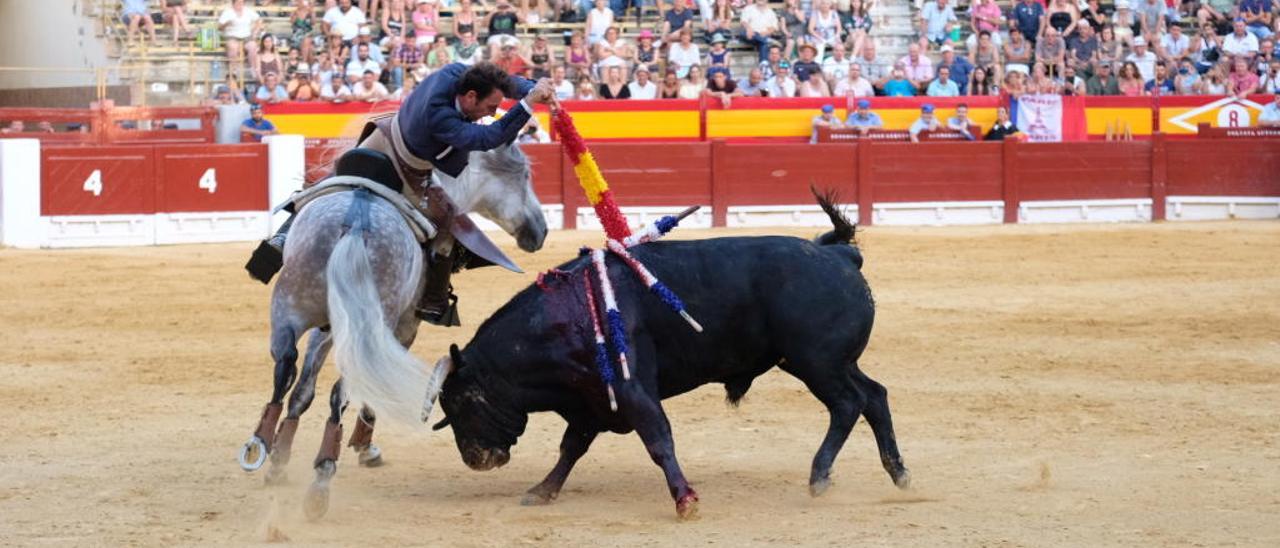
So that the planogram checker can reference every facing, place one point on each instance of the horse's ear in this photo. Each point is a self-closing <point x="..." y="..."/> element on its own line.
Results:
<point x="455" y="356"/>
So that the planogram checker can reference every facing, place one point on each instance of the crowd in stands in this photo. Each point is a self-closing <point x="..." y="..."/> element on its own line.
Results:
<point x="371" y="50"/>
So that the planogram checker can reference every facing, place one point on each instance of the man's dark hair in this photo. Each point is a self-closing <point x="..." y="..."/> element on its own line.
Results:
<point x="485" y="77"/>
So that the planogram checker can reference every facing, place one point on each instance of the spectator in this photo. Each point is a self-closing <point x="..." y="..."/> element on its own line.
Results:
<point x="1270" y="116"/>
<point x="512" y="62"/>
<point x="613" y="50"/>
<point x="753" y="85"/>
<point x="576" y="57"/>
<point x="917" y="68"/>
<point x="468" y="51"/>
<point x="564" y="88"/>
<point x="365" y="36"/>
<point x="1160" y="84"/>
<point x="642" y="87"/>
<point x="959" y="66"/>
<point x="824" y="27"/>
<point x="1041" y="82"/>
<point x="614" y="86"/>
<point x="942" y="86"/>
<point x="426" y="19"/>
<point x="1243" y="81"/>
<point x="1174" y="46"/>
<point x="136" y="12"/>
<point x="1017" y="53"/>
<point x="1052" y="51"/>
<point x="721" y="86"/>
<point x="937" y="18"/>
<point x="760" y="27"/>
<point x="1216" y="14"/>
<point x="223" y="95"/>
<point x="336" y="91"/>
<point x="646" y="53"/>
<point x="1143" y="59"/>
<point x="1270" y="81"/>
<point x="1124" y="22"/>
<point x="540" y="58"/>
<point x="898" y="85"/>
<point x="960" y="122"/>
<point x="362" y="64"/>
<point x="982" y="83"/>
<point x="769" y="66"/>
<point x="1109" y="48"/>
<point x="268" y="60"/>
<point x="836" y="67"/>
<point x="854" y="85"/>
<point x="814" y="86"/>
<point x="670" y="88"/>
<point x="1131" y="82"/>
<point x="1187" y="80"/>
<point x="599" y="19"/>
<point x="501" y="23"/>
<point x="345" y="19"/>
<point x="782" y="84"/>
<point x="1028" y="17"/>
<point x="986" y="16"/>
<point x="369" y="88"/>
<point x="827" y="119"/>
<point x="1062" y="16"/>
<point x="926" y="122"/>
<point x="871" y="68"/>
<point x="1266" y="54"/>
<point x="406" y="57"/>
<point x="794" y="19"/>
<point x="1072" y="84"/>
<point x="175" y="13"/>
<point x="1257" y="14"/>
<point x="302" y="25"/>
<point x="44" y="126"/>
<point x="1214" y="82"/>
<point x="338" y="50"/>
<point x="1207" y="50"/>
<point x="586" y="92"/>
<point x="534" y="12"/>
<point x="718" y="56"/>
<point x="271" y="91"/>
<point x="238" y="24"/>
<point x="395" y="24"/>
<point x="676" y="21"/>
<point x="1103" y="82"/>
<point x="987" y="56"/>
<point x="464" y="18"/>
<point x="1082" y="47"/>
<point x="16" y="126"/>
<point x="807" y="65"/>
<point x="683" y="54"/>
<point x="1003" y="127"/>
<point x="862" y="119"/>
<point x="1014" y="86"/>
<point x="256" y="127"/>
<point x="692" y="87"/>
<point x="1151" y="17"/>
<point x="857" y="21"/>
<point x="410" y="82"/>
<point x="1239" y="42"/>
<point x="721" y="19"/>
<point x="302" y="88"/>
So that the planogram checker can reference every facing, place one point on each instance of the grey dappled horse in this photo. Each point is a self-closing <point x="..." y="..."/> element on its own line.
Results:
<point x="352" y="264"/>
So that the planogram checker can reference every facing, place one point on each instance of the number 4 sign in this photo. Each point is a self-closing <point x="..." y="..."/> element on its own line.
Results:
<point x="94" y="183"/>
<point x="209" y="181"/>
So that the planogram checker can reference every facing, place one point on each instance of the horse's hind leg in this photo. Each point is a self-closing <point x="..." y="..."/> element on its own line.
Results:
<point x="318" y="344"/>
<point x="834" y="386"/>
<point x="316" y="503"/>
<point x="362" y="440"/>
<point x="284" y="350"/>
<point x="877" y="414"/>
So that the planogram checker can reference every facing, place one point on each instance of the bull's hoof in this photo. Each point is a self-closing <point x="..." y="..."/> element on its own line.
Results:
<point x="687" y="506"/>
<point x="536" y="499"/>
<point x="371" y="457"/>
<point x="902" y="479"/>
<point x="276" y="475"/>
<point x="819" y="487"/>
<point x="316" y="503"/>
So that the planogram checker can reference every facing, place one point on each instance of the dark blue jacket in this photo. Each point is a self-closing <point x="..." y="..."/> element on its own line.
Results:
<point x="435" y="130"/>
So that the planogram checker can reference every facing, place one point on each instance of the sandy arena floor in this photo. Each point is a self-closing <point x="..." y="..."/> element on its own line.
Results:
<point x="1052" y="386"/>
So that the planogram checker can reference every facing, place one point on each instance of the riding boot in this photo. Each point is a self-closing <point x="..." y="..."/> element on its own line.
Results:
<point x="438" y="305"/>
<point x="268" y="258"/>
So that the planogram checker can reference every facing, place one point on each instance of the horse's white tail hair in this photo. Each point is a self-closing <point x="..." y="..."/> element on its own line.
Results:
<point x="376" y="370"/>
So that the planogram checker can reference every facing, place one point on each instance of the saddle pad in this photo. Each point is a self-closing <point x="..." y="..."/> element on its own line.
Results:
<point x="422" y="228"/>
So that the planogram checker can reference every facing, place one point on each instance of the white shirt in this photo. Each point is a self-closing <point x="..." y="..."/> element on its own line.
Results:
<point x="564" y="90"/>
<point x="786" y="88"/>
<point x="858" y="88"/>
<point x="347" y="23"/>
<point x="647" y="91"/>
<point x="241" y="25"/>
<point x="836" y="70"/>
<point x="756" y="19"/>
<point x="326" y="92"/>
<point x="1146" y="64"/>
<point x="1246" y="45"/>
<point x="357" y="67"/>
<point x="683" y="57"/>
<point x="361" y="93"/>
<point x="1175" y="48"/>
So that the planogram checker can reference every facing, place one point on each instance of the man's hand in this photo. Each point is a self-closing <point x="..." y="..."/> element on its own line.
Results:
<point x="543" y="93"/>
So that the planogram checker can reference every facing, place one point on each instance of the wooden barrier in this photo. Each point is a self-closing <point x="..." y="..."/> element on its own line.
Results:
<point x="844" y="134"/>
<point x="109" y="125"/>
<point x="1207" y="131"/>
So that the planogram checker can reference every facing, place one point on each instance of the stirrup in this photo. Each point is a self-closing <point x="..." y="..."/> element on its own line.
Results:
<point x="265" y="262"/>
<point x="444" y="318"/>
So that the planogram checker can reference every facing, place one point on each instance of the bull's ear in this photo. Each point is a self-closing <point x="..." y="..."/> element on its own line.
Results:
<point x="440" y="425"/>
<point x="455" y="356"/>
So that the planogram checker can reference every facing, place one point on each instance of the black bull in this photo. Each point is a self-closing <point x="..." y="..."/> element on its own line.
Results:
<point x="763" y="301"/>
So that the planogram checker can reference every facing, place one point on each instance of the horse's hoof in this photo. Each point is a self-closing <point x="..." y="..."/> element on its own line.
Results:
<point x="687" y="506"/>
<point x="818" y="488"/>
<point x="371" y="457"/>
<point x="253" y="455"/>
<point x="276" y="475"/>
<point x="902" y="479"/>
<point x="316" y="503"/>
<point x="536" y="499"/>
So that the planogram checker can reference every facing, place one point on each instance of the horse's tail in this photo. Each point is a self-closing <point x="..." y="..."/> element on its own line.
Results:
<point x="843" y="229"/>
<point x="376" y="369"/>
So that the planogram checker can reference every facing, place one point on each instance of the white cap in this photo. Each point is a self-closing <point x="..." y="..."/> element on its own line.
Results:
<point x="945" y="49"/>
<point x="364" y="31"/>
<point x="1139" y="41"/>
<point x="1122" y="4"/>
<point x="304" y="68"/>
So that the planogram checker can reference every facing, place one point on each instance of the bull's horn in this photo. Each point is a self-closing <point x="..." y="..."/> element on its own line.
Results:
<point x="443" y="367"/>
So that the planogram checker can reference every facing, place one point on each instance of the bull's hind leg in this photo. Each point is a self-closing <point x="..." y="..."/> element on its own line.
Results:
<point x="316" y="503"/>
<point x="877" y="414"/>
<point x="835" y="388"/>
<point x="284" y="350"/>
<point x="575" y="443"/>
<point x="318" y="344"/>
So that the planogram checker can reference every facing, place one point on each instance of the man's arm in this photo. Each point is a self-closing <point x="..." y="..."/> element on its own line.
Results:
<point x="467" y="136"/>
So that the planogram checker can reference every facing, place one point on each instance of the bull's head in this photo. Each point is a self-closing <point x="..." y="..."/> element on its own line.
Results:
<point x="485" y="420"/>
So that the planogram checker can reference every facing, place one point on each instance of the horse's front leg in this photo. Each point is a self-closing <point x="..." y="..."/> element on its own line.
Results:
<point x="284" y="351"/>
<point x="318" y="345"/>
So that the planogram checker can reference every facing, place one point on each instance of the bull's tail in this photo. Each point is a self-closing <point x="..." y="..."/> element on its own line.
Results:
<point x="376" y="369"/>
<point x="843" y="229"/>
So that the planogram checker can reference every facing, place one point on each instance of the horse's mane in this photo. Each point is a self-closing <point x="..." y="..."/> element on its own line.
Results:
<point x="505" y="161"/>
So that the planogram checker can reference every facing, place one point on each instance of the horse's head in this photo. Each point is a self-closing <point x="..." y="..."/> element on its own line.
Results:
<point x="499" y="186"/>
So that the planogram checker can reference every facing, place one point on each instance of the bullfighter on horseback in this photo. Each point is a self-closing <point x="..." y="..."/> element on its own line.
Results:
<point x="434" y="129"/>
